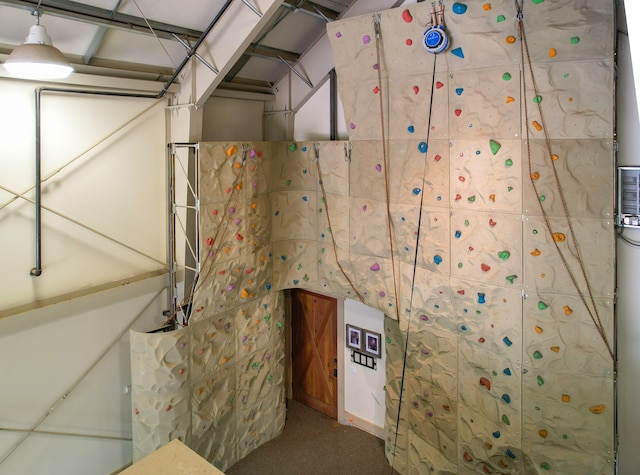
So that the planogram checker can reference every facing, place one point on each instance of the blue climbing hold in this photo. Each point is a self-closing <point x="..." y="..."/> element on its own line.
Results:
<point x="459" y="8"/>
<point x="411" y="129"/>
<point x="458" y="234"/>
<point x="496" y="434"/>
<point x="507" y="341"/>
<point x="506" y="398"/>
<point x="481" y="297"/>
<point x="510" y="454"/>
<point x="422" y="147"/>
<point x="416" y="191"/>
<point x="437" y="259"/>
<point x="458" y="52"/>
<point x="459" y="91"/>
<point x="507" y="371"/>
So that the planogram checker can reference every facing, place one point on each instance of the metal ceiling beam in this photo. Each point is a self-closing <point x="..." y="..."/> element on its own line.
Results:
<point x="314" y="9"/>
<point x="98" y="38"/>
<point x="103" y="17"/>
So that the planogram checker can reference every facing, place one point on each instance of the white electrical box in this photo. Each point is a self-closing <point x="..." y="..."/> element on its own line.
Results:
<point x="629" y="197"/>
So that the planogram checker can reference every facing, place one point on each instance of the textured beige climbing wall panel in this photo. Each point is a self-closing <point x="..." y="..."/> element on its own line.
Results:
<point x="511" y="298"/>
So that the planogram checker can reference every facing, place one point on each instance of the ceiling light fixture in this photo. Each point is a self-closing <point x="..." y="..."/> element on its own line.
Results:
<point x="37" y="58"/>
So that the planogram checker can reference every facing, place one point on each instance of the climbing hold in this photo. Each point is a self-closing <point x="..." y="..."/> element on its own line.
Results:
<point x="507" y="371"/>
<point x="511" y="278"/>
<point x="567" y="310"/>
<point x="537" y="125"/>
<point x="545" y="466"/>
<point x="492" y="197"/>
<point x="471" y="199"/>
<point x="542" y="305"/>
<point x="537" y="2"/>
<point x="510" y="39"/>
<point x="485" y="267"/>
<point x="459" y="91"/>
<point x="416" y="191"/>
<point x="352" y="126"/>
<point x="575" y="40"/>
<point x="554" y="157"/>
<point x="558" y="237"/>
<point x="543" y="433"/>
<point x="406" y="16"/>
<point x="552" y="52"/>
<point x="492" y="223"/>
<point x="376" y="90"/>
<point x="555" y="349"/>
<point x="268" y="286"/>
<point x="599" y="409"/>
<point x="416" y="89"/>
<point x="366" y="39"/>
<point x="507" y="341"/>
<point x="539" y="380"/>
<point x="537" y="99"/>
<point x="437" y="259"/>
<point x="232" y="150"/>
<point x="287" y="182"/>
<point x="481" y="298"/>
<point x="458" y="112"/>
<point x="506" y="398"/>
<point x="535" y="176"/>
<point x="566" y="398"/>
<point x="504" y="255"/>
<point x="293" y="147"/>
<point x="539" y="330"/>
<point x="481" y="340"/>
<point x="459" y="8"/>
<point x="496" y="434"/>
<point x="500" y="18"/>
<point x="338" y="35"/>
<point x="437" y="158"/>
<point x="422" y="147"/>
<point x="375" y="267"/>
<point x="467" y="457"/>
<point x="486" y="383"/>
<point x="461" y="178"/>
<point x="510" y="454"/>
<point x="505" y="419"/>
<point x="495" y="146"/>
<point x="378" y="167"/>
<point x="537" y="355"/>
<point x="510" y="99"/>
<point x="458" y="52"/>
<point x="536" y="252"/>
<point x="411" y="129"/>
<point x="486" y="7"/>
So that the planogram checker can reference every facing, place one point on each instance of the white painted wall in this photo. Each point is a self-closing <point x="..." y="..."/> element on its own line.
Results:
<point x="313" y="119"/>
<point x="232" y="119"/>
<point x="364" y="395"/>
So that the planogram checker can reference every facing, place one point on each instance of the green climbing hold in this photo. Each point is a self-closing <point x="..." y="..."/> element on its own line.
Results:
<point x="269" y="378"/>
<point x="323" y="250"/>
<point x="267" y="317"/>
<point x="542" y="198"/>
<point x="466" y="222"/>
<point x="511" y="278"/>
<point x="500" y="18"/>
<point x="320" y="261"/>
<point x="537" y="2"/>
<point x="293" y="147"/>
<point x="565" y="436"/>
<point x="255" y="365"/>
<point x="471" y="199"/>
<point x="495" y="146"/>
<point x="459" y="265"/>
<point x="537" y="99"/>
<point x="508" y="162"/>
<point x="279" y="324"/>
<point x="388" y="340"/>
<point x="575" y="40"/>
<point x="537" y="355"/>
<point x="565" y="75"/>
<point x="535" y="231"/>
<point x="506" y="76"/>
<point x="542" y="305"/>
<point x="506" y="420"/>
<point x="540" y="380"/>
<point x="545" y="466"/>
<point x="509" y="188"/>
<point x="288" y="182"/>
<point x="504" y="255"/>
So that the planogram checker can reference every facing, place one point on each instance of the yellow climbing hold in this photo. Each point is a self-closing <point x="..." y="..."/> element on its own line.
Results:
<point x="567" y="310"/>
<point x="537" y="125"/>
<point x="599" y="409"/>
<point x="538" y="329"/>
<point x="486" y="7"/>
<point x="565" y="398"/>
<point x="510" y="99"/>
<point x="212" y="334"/>
<point x="554" y="157"/>
<point x="535" y="176"/>
<point x="232" y="150"/>
<point x="244" y="294"/>
<point x="558" y="237"/>
<point x="555" y="349"/>
<point x="199" y="391"/>
<point x="543" y="433"/>
<point x="552" y="52"/>
<point x="536" y="252"/>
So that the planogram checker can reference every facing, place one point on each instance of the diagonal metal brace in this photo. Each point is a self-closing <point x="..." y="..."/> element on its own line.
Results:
<point x="295" y="71"/>
<point x="188" y="47"/>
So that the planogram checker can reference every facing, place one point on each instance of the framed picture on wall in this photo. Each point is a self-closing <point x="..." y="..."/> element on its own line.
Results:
<point x="354" y="338"/>
<point x="372" y="343"/>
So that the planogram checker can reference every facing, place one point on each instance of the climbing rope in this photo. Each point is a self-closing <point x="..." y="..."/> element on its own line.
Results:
<point x="316" y="149"/>
<point x="593" y="312"/>
<point x="378" y="35"/>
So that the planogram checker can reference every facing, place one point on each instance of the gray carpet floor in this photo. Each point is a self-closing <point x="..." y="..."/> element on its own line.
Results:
<point x="314" y="444"/>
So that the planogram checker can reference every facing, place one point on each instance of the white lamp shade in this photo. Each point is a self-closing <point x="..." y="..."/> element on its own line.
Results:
<point x="37" y="58"/>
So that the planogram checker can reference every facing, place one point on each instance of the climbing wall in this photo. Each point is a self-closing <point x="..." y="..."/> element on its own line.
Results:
<point x="473" y="205"/>
<point x="509" y="316"/>
<point x="218" y="384"/>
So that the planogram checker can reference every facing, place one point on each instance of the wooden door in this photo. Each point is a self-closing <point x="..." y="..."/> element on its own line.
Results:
<point x="314" y="351"/>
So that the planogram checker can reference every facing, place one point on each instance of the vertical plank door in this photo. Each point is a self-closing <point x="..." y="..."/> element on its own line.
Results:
<point x="314" y="351"/>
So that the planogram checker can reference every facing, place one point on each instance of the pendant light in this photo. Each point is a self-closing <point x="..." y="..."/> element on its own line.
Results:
<point x="37" y="58"/>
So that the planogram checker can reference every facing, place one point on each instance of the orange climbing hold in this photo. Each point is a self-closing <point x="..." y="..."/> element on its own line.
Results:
<point x="535" y="176"/>
<point x="558" y="237"/>
<point x="538" y="329"/>
<point x="510" y="99"/>
<point x="554" y="157"/>
<point x="537" y="125"/>
<point x="510" y="39"/>
<point x="486" y="383"/>
<point x="567" y="310"/>
<point x="543" y="433"/>
<point x="492" y="197"/>
<point x="224" y="360"/>
<point x="238" y="165"/>
<point x="232" y="150"/>
<point x="552" y="52"/>
<point x="555" y="349"/>
<point x="565" y="398"/>
<point x="486" y="7"/>
<point x="536" y="252"/>
<point x="599" y="409"/>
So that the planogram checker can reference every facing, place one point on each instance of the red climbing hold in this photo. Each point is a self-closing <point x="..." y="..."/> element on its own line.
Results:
<point x="439" y="85"/>
<point x="409" y="42"/>
<point x="485" y="267"/>
<point x="492" y="223"/>
<point x="461" y="292"/>
<point x="416" y="89"/>
<point x="468" y="457"/>
<point x="458" y="197"/>
<point x="376" y="90"/>
<point x="437" y="158"/>
<point x="486" y="383"/>
<point x="406" y="16"/>
<point x="458" y="112"/>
